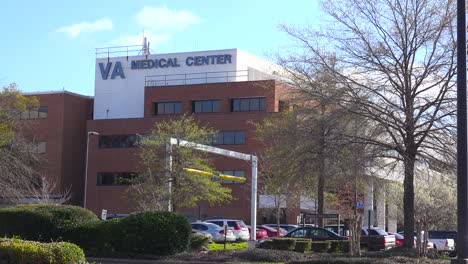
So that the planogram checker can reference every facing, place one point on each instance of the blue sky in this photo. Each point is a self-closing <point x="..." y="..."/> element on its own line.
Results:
<point x="50" y="45"/>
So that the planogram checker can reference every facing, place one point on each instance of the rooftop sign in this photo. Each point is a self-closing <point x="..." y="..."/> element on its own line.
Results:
<point x="189" y="61"/>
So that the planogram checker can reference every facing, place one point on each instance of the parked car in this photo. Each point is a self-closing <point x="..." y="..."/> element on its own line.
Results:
<point x="112" y="216"/>
<point x="237" y="226"/>
<point x="315" y="233"/>
<point x="444" y="241"/>
<point x="271" y="231"/>
<point x="259" y="233"/>
<point x="216" y="232"/>
<point x="286" y="227"/>
<point x="311" y="232"/>
<point x="400" y="240"/>
<point x="194" y="231"/>
<point x="376" y="239"/>
<point x="334" y="228"/>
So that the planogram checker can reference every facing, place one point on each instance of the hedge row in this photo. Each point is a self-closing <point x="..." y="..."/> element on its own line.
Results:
<point x="159" y="233"/>
<point x="32" y="252"/>
<point x="41" y="222"/>
<point x="303" y="245"/>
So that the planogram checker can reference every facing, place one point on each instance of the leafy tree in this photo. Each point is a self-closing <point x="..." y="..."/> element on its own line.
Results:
<point x="18" y="162"/>
<point x="150" y="189"/>
<point x="394" y="62"/>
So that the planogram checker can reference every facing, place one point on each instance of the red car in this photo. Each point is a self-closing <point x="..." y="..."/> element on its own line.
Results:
<point x="399" y="239"/>
<point x="259" y="233"/>
<point x="271" y="231"/>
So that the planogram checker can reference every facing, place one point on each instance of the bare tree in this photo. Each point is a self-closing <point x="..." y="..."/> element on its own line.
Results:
<point x="393" y="61"/>
<point x="18" y="161"/>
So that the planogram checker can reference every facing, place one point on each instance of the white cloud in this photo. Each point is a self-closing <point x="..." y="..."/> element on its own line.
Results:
<point x="129" y="40"/>
<point x="86" y="27"/>
<point x="162" y="18"/>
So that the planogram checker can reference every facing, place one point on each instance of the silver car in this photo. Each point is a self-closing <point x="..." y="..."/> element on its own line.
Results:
<point x="216" y="232"/>
<point x="237" y="226"/>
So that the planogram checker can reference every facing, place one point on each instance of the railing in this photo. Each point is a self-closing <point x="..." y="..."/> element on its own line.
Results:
<point x="118" y="51"/>
<point x="197" y="78"/>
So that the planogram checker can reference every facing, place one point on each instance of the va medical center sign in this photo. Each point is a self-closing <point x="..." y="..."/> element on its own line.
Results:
<point x="117" y="69"/>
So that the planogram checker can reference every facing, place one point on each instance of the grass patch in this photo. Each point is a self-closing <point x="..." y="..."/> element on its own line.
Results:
<point x="229" y="246"/>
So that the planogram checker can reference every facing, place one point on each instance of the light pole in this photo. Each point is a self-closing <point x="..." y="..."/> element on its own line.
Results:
<point x="86" y="166"/>
<point x="462" y="169"/>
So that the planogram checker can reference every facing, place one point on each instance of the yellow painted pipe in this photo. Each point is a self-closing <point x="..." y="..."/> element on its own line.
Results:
<point x="209" y="174"/>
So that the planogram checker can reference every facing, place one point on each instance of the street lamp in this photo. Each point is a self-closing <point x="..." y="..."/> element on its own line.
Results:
<point x="86" y="167"/>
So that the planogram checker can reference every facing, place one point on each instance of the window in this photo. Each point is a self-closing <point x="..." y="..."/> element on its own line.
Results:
<point x="301" y="232"/>
<point x="120" y="141"/>
<point x="168" y="108"/>
<point x="35" y="113"/>
<point x="248" y="104"/>
<point x="319" y="234"/>
<point x="40" y="147"/>
<point x="230" y="138"/>
<point x="114" y="178"/>
<point x="237" y="173"/>
<point x="206" y="106"/>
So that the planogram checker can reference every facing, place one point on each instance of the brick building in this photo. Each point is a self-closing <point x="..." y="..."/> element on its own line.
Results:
<point x="225" y="89"/>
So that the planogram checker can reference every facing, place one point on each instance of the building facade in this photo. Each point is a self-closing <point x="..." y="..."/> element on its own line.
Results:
<point x="228" y="90"/>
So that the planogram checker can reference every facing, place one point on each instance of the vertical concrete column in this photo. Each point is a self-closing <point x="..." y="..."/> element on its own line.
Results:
<point x="368" y="203"/>
<point x="392" y="216"/>
<point x="380" y="206"/>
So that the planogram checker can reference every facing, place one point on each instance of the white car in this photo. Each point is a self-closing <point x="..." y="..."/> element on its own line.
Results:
<point x="237" y="226"/>
<point x="443" y="240"/>
<point x="216" y="232"/>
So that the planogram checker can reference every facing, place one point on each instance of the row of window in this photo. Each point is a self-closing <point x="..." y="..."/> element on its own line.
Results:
<point x="133" y="140"/>
<point x="35" y="113"/>
<point x="125" y="178"/>
<point x="212" y="106"/>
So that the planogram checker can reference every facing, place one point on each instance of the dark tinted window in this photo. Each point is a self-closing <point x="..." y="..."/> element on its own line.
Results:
<point x="248" y="104"/>
<point x="167" y="108"/>
<point x="206" y="106"/>
<point x="300" y="232"/>
<point x="442" y="234"/>
<point x="219" y="223"/>
<point x="230" y="138"/>
<point x="237" y="173"/>
<point x="114" y="178"/>
<point x="119" y="141"/>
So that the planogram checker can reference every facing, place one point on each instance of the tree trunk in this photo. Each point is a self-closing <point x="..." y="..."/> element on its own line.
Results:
<point x="321" y="173"/>
<point x="278" y="212"/>
<point x="320" y="189"/>
<point x="355" y="235"/>
<point x="408" y="200"/>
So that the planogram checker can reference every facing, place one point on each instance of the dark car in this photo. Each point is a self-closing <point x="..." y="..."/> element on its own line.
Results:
<point x="315" y="233"/>
<point x="271" y="231"/>
<point x="376" y="239"/>
<point x="286" y="227"/>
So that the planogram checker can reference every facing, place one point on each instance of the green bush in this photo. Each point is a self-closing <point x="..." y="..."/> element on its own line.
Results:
<point x="320" y="246"/>
<point x="269" y="255"/>
<point x="199" y="242"/>
<point x="31" y="252"/>
<point x="41" y="222"/>
<point x="302" y="245"/>
<point x="283" y="243"/>
<point x="339" y="246"/>
<point x="91" y="236"/>
<point x="159" y="233"/>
